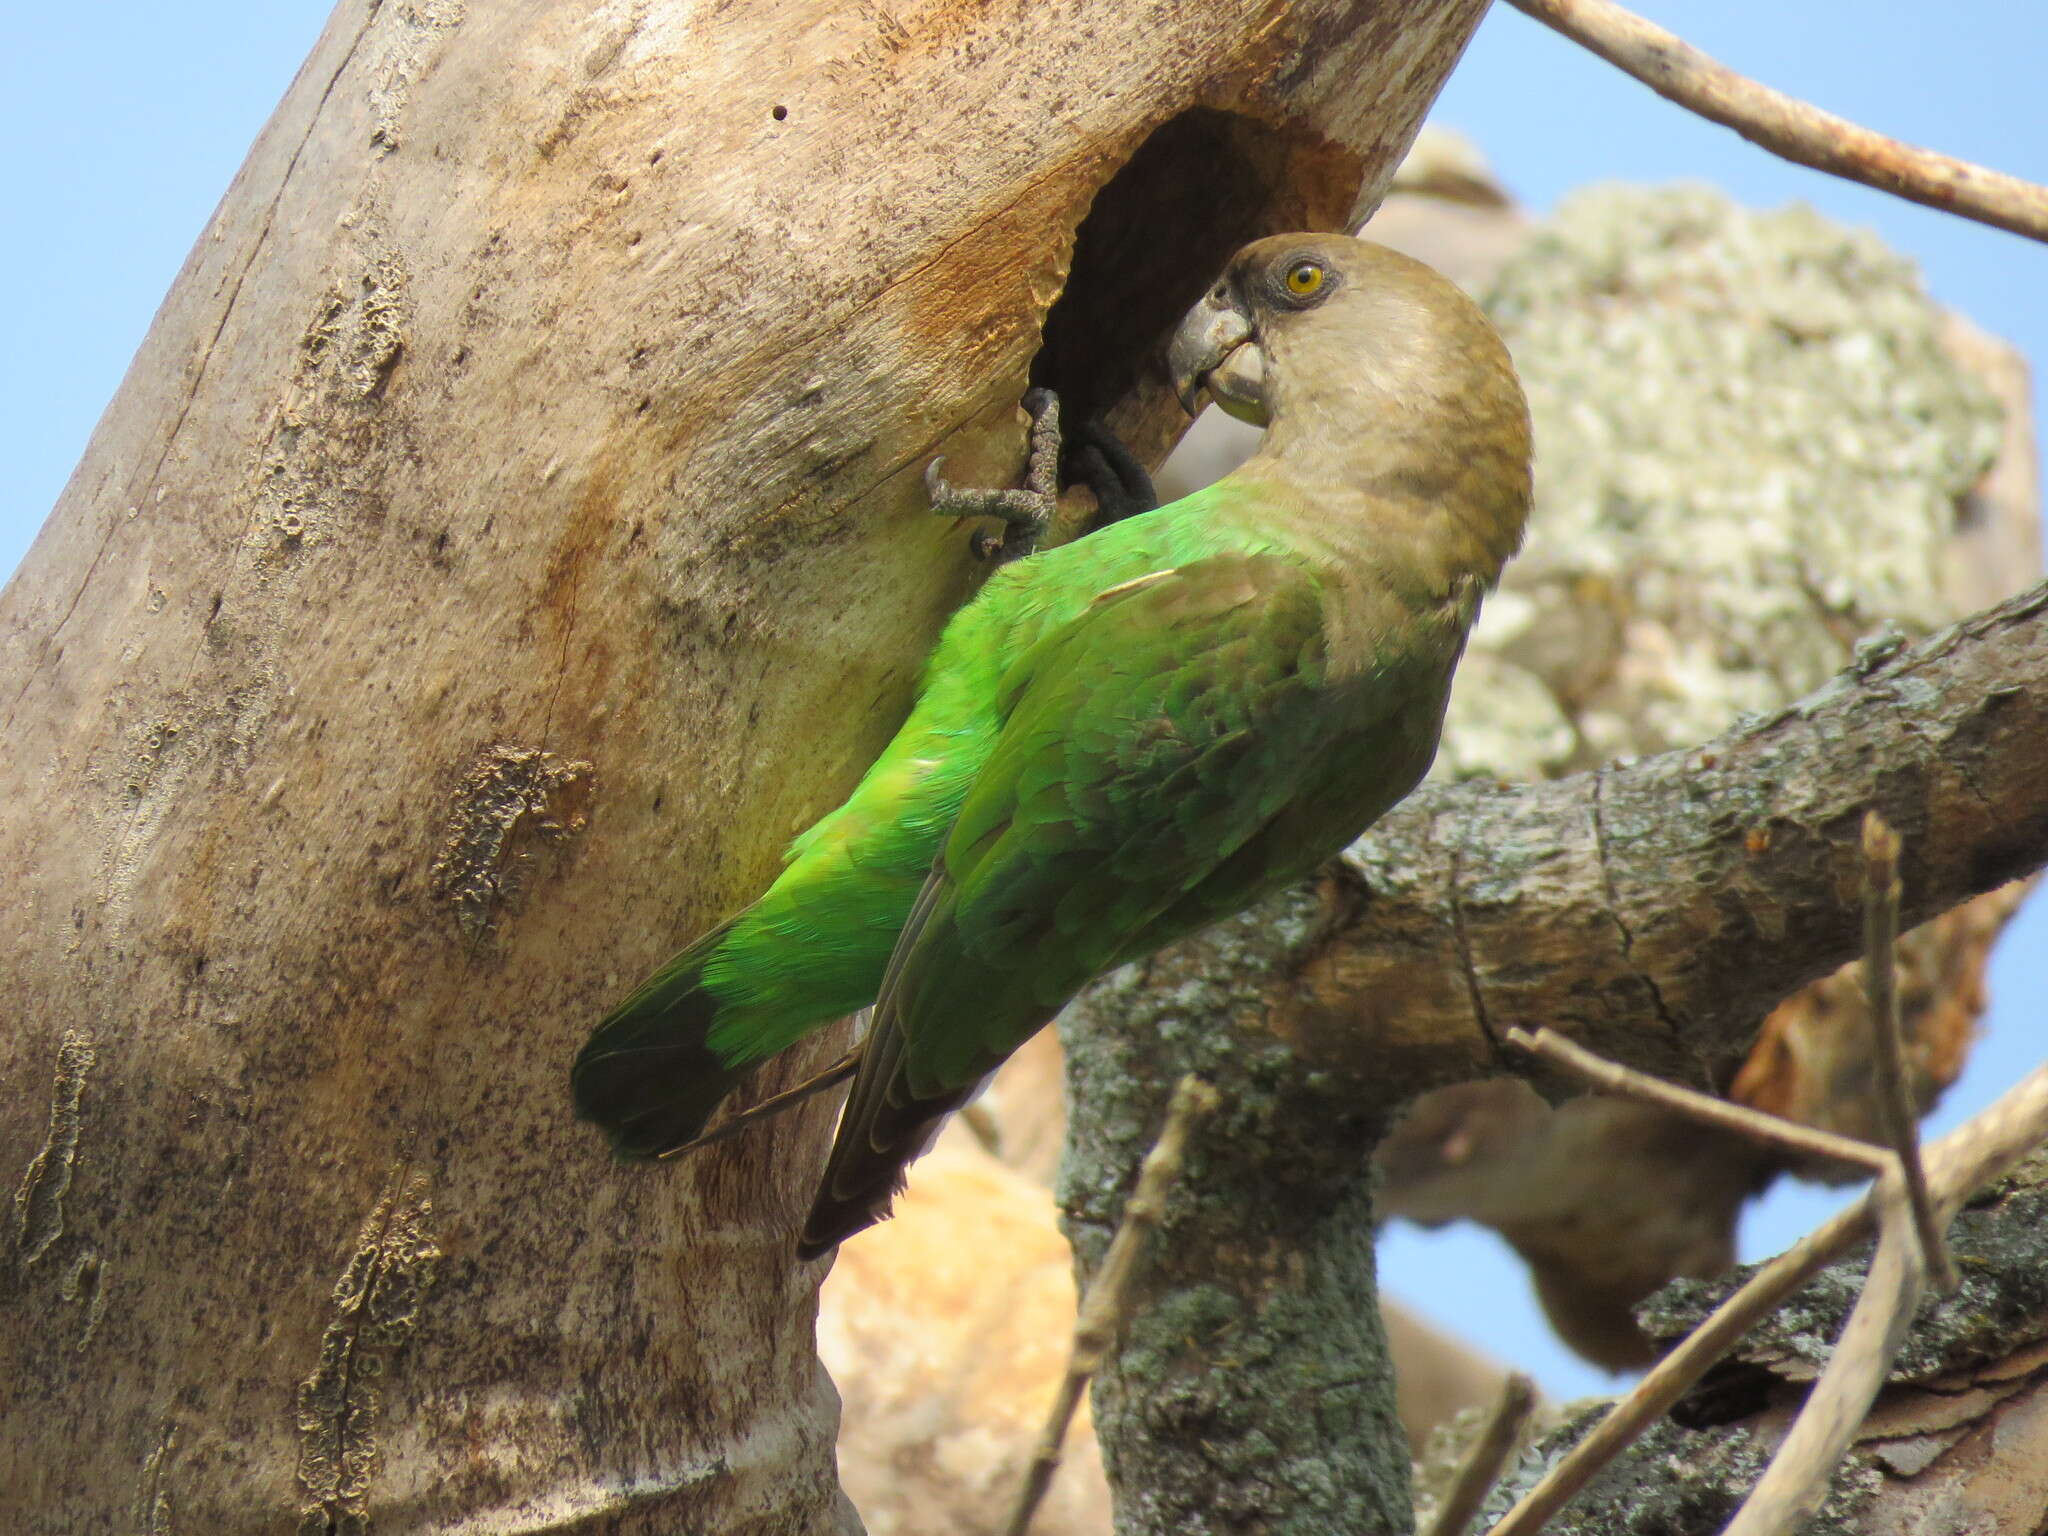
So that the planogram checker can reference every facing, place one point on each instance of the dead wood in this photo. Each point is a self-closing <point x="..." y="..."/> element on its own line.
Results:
<point x="510" y="533"/>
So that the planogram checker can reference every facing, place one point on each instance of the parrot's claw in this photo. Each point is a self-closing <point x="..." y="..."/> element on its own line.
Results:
<point x="1025" y="513"/>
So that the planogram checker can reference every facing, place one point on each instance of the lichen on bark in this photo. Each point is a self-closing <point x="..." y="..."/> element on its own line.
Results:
<point x="1250" y="1390"/>
<point x="1752" y="445"/>
<point x="1969" y="1356"/>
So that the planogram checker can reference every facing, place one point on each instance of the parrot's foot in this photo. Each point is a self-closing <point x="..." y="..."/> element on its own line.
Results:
<point x="1025" y="513"/>
<point x="1097" y="458"/>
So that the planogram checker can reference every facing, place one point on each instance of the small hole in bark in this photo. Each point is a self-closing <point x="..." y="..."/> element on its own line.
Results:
<point x="213" y="612"/>
<point x="199" y="965"/>
<point x="655" y="157"/>
<point x="1156" y="236"/>
<point x="779" y="112"/>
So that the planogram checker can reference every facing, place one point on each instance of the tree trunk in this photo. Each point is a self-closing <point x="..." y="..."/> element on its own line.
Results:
<point x="511" y="532"/>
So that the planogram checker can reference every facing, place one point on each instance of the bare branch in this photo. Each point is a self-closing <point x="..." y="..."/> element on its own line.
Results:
<point x="1109" y="1299"/>
<point x="1959" y="1164"/>
<point x="1772" y="1130"/>
<point x="1489" y="1454"/>
<point x="1880" y="984"/>
<point x="1796" y="1482"/>
<point x="1656" y="910"/>
<point x="1791" y="128"/>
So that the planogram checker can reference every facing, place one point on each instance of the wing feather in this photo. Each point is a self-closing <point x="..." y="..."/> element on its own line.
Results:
<point x="1141" y="746"/>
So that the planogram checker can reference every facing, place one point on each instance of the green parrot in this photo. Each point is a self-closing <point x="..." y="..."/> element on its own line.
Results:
<point x="1127" y="737"/>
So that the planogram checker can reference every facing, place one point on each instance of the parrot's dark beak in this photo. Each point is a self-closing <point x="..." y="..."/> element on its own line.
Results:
<point x="1213" y="331"/>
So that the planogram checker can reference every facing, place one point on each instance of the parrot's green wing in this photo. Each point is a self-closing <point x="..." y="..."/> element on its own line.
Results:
<point x="1142" y="746"/>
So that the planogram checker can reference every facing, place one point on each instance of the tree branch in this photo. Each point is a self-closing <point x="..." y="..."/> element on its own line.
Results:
<point x="1488" y="1457"/>
<point x="1107" y="1306"/>
<point x="1790" y="128"/>
<point x="1656" y="911"/>
<point x="1769" y="1130"/>
<point x="1960" y="1163"/>
<point x="1881" y="985"/>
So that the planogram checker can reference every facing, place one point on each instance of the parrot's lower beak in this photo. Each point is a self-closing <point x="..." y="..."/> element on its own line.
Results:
<point x="1216" y="349"/>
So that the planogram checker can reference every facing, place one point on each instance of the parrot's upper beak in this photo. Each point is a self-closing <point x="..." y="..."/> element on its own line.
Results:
<point x="1216" y="348"/>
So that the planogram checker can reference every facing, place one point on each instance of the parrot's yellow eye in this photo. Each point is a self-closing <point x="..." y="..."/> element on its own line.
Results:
<point x="1304" y="278"/>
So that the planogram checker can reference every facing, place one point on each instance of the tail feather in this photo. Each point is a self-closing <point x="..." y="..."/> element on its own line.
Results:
<point x="648" y="1075"/>
<point x="886" y="1124"/>
<point x="775" y="1104"/>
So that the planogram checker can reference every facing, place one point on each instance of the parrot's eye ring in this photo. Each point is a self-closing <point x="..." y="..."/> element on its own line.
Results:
<point x="1304" y="279"/>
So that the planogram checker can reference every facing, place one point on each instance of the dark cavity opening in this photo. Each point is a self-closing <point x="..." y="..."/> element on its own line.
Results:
<point x="1159" y="231"/>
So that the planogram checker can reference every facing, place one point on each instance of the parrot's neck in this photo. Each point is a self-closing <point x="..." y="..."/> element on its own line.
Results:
<point x="1426" y="523"/>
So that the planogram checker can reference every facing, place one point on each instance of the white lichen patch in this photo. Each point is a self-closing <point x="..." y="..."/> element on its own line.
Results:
<point x="1751" y="448"/>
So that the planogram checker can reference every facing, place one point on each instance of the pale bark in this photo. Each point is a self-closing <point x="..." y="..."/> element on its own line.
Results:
<point x="509" y="534"/>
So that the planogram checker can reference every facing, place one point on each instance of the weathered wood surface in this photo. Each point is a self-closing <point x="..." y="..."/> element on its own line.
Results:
<point x="508" y="535"/>
<point x="1657" y="910"/>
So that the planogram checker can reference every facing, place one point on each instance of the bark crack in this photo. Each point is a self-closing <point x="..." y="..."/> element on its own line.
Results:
<point x="1611" y="900"/>
<point x="547" y="724"/>
<point x="1929" y="748"/>
<point x="1462" y="936"/>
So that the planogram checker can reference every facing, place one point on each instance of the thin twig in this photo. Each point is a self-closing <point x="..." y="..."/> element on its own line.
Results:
<point x="1880" y="987"/>
<point x="1107" y="1305"/>
<point x="1612" y="1077"/>
<point x="1789" y="127"/>
<point x="1483" y="1464"/>
<point x="1960" y="1163"/>
<point x="1795" y="1484"/>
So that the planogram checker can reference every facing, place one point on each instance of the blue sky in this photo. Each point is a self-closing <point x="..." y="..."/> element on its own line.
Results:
<point x="126" y="121"/>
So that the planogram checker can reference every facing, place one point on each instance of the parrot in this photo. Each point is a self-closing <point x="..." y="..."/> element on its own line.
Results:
<point x="1124" y="738"/>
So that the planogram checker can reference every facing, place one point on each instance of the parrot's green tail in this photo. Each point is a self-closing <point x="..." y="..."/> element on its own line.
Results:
<point x="648" y="1075"/>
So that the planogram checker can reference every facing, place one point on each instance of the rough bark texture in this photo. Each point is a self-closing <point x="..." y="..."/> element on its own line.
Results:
<point x="1250" y="1392"/>
<point x="1956" y="1442"/>
<point x="509" y="534"/>
<point x="1657" y="910"/>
